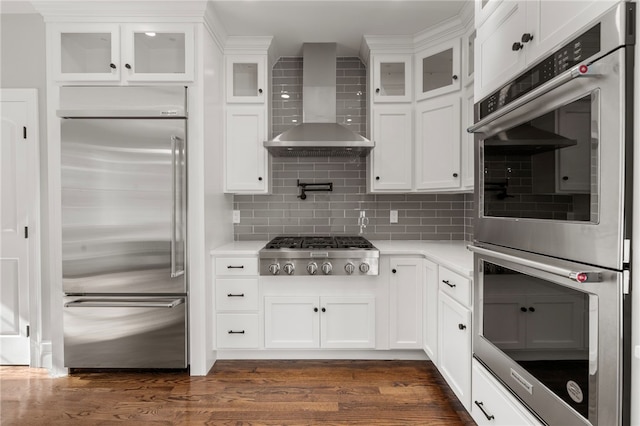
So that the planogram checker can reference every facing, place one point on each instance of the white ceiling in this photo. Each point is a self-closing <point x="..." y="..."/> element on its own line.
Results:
<point x="293" y="22"/>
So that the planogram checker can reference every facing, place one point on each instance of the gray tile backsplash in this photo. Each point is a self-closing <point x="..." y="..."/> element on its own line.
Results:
<point x="263" y="217"/>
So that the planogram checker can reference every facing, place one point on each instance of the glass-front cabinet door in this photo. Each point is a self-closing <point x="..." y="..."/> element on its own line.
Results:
<point x="85" y="52"/>
<point x="392" y="78"/>
<point x="246" y="78"/>
<point x="158" y="52"/>
<point x="438" y="70"/>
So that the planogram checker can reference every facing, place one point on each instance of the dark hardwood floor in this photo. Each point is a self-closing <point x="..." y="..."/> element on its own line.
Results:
<point x="236" y="393"/>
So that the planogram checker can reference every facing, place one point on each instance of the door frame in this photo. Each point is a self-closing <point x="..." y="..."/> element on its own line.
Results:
<point x="30" y="97"/>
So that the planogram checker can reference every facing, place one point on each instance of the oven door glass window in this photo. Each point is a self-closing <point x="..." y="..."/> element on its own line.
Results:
<point x="544" y="327"/>
<point x="545" y="168"/>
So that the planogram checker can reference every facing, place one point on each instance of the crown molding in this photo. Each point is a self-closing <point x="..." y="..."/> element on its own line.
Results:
<point x="385" y="44"/>
<point x="247" y="45"/>
<point x="214" y="27"/>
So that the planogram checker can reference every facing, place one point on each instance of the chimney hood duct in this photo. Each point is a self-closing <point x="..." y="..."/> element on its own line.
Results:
<point x="319" y="135"/>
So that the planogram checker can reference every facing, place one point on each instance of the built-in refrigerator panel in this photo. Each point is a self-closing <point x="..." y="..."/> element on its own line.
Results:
<point x="123" y="205"/>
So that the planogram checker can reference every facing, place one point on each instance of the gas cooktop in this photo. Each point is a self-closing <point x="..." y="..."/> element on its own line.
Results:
<point x="319" y="255"/>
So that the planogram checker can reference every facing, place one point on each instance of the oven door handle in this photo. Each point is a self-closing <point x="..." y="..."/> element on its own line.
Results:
<point x="577" y="71"/>
<point x="578" y="276"/>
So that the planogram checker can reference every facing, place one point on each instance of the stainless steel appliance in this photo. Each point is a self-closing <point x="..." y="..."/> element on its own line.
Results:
<point x="123" y="163"/>
<point x="553" y="151"/>
<point x="552" y="228"/>
<point x="319" y="255"/>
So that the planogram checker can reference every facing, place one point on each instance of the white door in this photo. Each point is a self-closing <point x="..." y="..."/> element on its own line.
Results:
<point x="405" y="304"/>
<point x="14" y="250"/>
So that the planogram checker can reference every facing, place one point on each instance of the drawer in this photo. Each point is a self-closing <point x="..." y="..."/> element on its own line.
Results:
<point x="455" y="285"/>
<point x="236" y="294"/>
<point x="500" y="407"/>
<point x="238" y="331"/>
<point x="236" y="266"/>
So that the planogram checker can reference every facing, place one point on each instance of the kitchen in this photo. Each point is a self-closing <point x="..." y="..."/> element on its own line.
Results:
<point x="427" y="215"/>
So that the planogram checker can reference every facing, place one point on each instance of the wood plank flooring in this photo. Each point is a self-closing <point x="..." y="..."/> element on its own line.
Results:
<point x="236" y="393"/>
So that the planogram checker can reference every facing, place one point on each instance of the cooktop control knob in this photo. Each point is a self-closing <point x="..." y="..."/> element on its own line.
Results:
<point x="274" y="268"/>
<point x="349" y="268"/>
<point x="364" y="267"/>
<point x="327" y="268"/>
<point x="288" y="268"/>
<point x="312" y="268"/>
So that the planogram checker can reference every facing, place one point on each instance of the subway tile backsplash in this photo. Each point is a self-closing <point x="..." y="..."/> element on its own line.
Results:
<point x="263" y="217"/>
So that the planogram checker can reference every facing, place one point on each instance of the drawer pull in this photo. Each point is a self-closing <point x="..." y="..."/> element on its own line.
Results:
<point x="236" y="332"/>
<point x="235" y="267"/>
<point x="481" y="407"/>
<point x="235" y="295"/>
<point x="448" y="283"/>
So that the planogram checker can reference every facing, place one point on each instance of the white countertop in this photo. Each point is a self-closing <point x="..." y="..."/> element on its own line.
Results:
<point x="450" y="254"/>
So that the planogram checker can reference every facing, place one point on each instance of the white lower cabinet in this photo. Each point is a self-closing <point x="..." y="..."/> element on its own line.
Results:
<point x="319" y="322"/>
<point x="454" y="346"/>
<point x="241" y="331"/>
<point x="493" y="404"/>
<point x="405" y="303"/>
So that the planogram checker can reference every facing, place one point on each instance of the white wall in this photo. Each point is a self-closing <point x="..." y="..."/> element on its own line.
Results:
<point x="23" y="65"/>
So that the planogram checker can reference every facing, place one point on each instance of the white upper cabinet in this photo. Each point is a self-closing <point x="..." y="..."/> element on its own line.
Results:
<point x="390" y="161"/>
<point x="468" y="57"/>
<point x="438" y="129"/>
<point x="391" y="78"/>
<point x="438" y="70"/>
<point x="246" y="79"/>
<point x="106" y="52"/>
<point x="514" y="34"/>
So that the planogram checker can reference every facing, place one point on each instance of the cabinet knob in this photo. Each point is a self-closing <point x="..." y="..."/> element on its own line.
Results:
<point x="315" y="309"/>
<point x="462" y="326"/>
<point x="324" y="309"/>
<point x="260" y="178"/>
<point x="127" y="66"/>
<point x="455" y="77"/>
<point x="113" y="66"/>
<point x="526" y="37"/>
<point x="565" y="177"/>
<point x="516" y="46"/>
<point x="377" y="177"/>
<point x="532" y="309"/>
<point x="455" y="175"/>
<point x="260" y="91"/>
<point x="394" y="271"/>
<point x="523" y="309"/>
<point x="378" y="90"/>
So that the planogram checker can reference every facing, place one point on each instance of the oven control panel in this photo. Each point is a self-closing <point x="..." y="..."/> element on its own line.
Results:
<point x="319" y="267"/>
<point x="576" y="51"/>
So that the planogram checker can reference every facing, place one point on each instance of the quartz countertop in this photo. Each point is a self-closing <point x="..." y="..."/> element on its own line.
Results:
<point x="450" y="254"/>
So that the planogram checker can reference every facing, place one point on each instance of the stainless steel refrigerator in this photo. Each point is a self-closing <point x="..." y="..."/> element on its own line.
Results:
<point x="123" y="174"/>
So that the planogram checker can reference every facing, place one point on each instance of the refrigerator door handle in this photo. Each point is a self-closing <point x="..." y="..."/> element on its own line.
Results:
<point x="133" y="303"/>
<point x="176" y="190"/>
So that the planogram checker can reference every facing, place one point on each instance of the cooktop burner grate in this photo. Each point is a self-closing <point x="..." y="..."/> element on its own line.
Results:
<point x="319" y="242"/>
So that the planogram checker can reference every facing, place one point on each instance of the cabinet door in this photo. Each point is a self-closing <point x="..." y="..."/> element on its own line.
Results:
<point x="158" y="52"/>
<point x="467" y="139"/>
<point x="454" y="345"/>
<point x="552" y="22"/>
<point x="391" y="78"/>
<point x="405" y="308"/>
<point x="438" y="143"/>
<point x="85" y="52"/>
<point x="291" y="322"/>
<point x="246" y="78"/>
<point x="483" y="9"/>
<point x="348" y="322"/>
<point x="555" y="322"/>
<point x="391" y="159"/>
<point x="430" y="311"/>
<point x="468" y="56"/>
<point x="438" y="70"/>
<point x="246" y="159"/>
<point x="496" y="61"/>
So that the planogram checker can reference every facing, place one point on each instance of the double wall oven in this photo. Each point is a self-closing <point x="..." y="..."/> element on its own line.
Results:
<point x="553" y="225"/>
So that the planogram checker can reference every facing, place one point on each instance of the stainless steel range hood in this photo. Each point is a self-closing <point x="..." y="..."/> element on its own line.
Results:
<point x="319" y="134"/>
